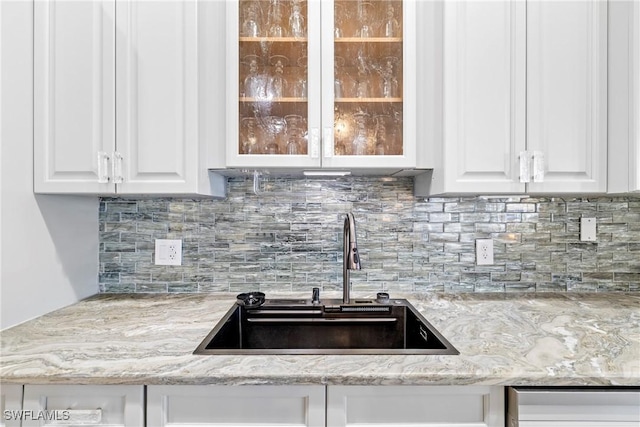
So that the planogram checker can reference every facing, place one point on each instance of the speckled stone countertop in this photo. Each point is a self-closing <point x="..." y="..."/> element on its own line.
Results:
<point x="543" y="339"/>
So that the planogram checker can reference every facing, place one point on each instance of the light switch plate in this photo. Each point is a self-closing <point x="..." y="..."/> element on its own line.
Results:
<point x="588" y="230"/>
<point x="168" y="252"/>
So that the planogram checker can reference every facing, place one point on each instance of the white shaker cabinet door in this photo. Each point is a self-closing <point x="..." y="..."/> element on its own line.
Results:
<point x="633" y="67"/>
<point x="417" y="406"/>
<point x="74" y="96"/>
<point x="182" y="406"/>
<point x="635" y="109"/>
<point x="10" y="405"/>
<point x="567" y="94"/>
<point x="157" y="96"/>
<point x="624" y="97"/>
<point x="73" y="405"/>
<point x="484" y="90"/>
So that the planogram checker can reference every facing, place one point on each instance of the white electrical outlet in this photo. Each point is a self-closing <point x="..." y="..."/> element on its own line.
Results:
<point x="168" y="252"/>
<point x="484" y="252"/>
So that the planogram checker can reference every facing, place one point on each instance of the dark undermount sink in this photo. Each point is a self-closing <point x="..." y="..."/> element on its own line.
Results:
<point x="285" y="326"/>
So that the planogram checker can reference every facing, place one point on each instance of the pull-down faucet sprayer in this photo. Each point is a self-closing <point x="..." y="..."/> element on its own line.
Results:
<point x="351" y="258"/>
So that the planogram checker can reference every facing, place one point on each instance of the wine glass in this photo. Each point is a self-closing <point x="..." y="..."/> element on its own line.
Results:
<point x="381" y="148"/>
<point x="249" y="143"/>
<point x="251" y="22"/>
<point x="277" y="83"/>
<point x="389" y="80"/>
<point x="300" y="86"/>
<point x="360" y="141"/>
<point x="274" y="18"/>
<point x="341" y="130"/>
<point x="364" y="17"/>
<point x="296" y="20"/>
<point x="294" y="134"/>
<point x="363" y="89"/>
<point x="390" y="27"/>
<point x="394" y="131"/>
<point x="338" y="85"/>
<point x="273" y="126"/>
<point x="338" y="18"/>
<point x="254" y="86"/>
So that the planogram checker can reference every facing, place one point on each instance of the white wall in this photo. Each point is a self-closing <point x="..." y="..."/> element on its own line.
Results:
<point x="48" y="244"/>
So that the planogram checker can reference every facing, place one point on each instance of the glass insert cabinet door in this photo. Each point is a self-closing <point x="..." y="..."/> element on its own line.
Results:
<point x="317" y="83"/>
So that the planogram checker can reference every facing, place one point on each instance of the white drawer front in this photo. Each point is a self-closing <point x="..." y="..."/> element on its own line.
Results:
<point x="574" y="407"/>
<point x="86" y="405"/>
<point x="576" y="424"/>
<point x="181" y="406"/>
<point x="433" y="406"/>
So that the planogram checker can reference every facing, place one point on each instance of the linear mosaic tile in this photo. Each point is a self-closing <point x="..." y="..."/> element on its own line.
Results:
<point x="289" y="238"/>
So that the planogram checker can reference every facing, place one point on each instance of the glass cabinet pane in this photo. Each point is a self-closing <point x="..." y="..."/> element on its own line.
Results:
<point x="273" y="108"/>
<point x="368" y="83"/>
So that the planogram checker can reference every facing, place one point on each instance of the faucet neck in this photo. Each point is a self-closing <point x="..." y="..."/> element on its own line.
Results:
<point x="350" y="257"/>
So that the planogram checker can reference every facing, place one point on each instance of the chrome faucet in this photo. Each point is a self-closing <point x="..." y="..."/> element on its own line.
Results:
<point x="351" y="259"/>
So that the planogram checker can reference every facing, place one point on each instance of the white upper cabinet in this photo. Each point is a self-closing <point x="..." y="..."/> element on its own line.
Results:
<point x="321" y="84"/>
<point x="524" y="99"/>
<point x="117" y="101"/>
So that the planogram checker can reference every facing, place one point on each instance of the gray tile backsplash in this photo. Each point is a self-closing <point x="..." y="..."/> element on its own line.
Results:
<point x="289" y="239"/>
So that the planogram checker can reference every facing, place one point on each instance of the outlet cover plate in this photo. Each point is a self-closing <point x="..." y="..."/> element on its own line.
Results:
<point x="588" y="231"/>
<point x="484" y="252"/>
<point x="168" y="252"/>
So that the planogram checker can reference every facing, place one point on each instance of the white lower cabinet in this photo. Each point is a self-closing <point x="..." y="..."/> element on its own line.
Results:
<point x="555" y="407"/>
<point x="317" y="406"/>
<point x="10" y="405"/>
<point x="72" y="405"/>
<point x="182" y="406"/>
<point x="433" y="406"/>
